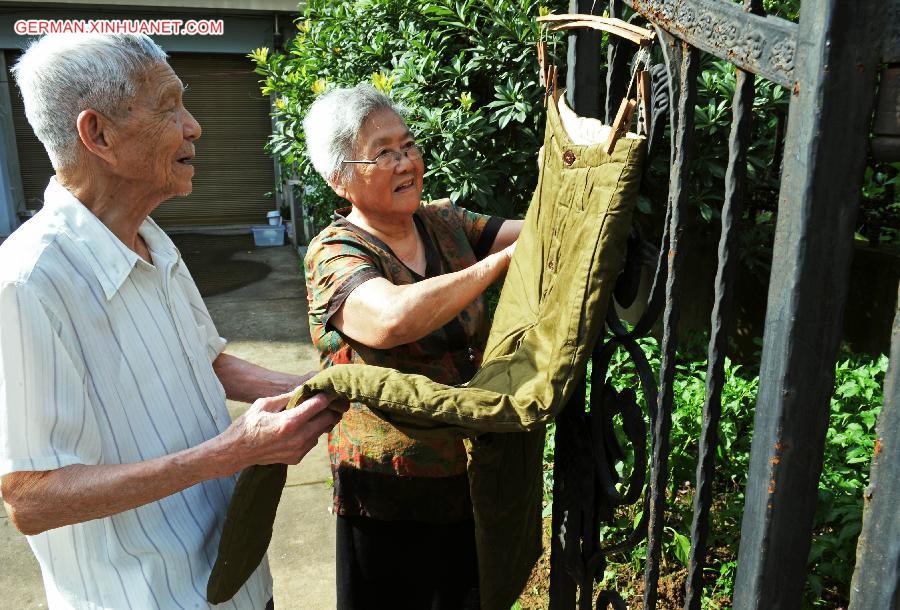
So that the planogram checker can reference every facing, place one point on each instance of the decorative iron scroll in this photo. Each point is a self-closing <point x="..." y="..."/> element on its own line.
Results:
<point x="687" y="60"/>
<point x="585" y="490"/>
<point x="760" y="45"/>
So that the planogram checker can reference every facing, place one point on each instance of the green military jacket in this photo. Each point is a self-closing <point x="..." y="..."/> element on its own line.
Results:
<point x="549" y="317"/>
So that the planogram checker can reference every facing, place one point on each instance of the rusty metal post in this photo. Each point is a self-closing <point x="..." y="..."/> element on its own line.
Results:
<point x="825" y="151"/>
<point x="584" y="92"/>
<point x="876" y="580"/>
<point x="571" y="465"/>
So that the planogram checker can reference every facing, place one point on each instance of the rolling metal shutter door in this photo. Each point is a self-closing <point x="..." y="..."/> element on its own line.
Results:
<point x="233" y="172"/>
<point x="34" y="163"/>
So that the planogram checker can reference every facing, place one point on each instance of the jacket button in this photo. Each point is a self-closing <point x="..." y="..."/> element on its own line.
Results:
<point x="471" y="355"/>
<point x="569" y="157"/>
<point x="551" y="265"/>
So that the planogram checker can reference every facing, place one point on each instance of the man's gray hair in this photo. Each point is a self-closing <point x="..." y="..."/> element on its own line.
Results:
<point x="332" y="126"/>
<point x="60" y="75"/>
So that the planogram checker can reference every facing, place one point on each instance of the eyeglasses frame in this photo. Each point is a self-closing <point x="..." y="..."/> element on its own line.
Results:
<point x="395" y="153"/>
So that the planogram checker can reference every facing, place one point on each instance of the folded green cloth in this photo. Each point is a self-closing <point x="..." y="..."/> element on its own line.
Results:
<point x="550" y="316"/>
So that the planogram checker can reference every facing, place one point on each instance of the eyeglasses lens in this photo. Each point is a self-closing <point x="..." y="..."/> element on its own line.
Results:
<point x="389" y="160"/>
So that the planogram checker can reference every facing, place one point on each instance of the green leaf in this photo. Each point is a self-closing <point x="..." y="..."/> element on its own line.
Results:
<point x="682" y="547"/>
<point x="848" y="389"/>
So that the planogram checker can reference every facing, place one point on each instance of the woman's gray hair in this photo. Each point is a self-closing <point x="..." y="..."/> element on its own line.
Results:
<point x="60" y="75"/>
<point x="332" y="126"/>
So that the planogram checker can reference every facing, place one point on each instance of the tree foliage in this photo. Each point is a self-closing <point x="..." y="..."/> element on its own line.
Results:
<point x="465" y="70"/>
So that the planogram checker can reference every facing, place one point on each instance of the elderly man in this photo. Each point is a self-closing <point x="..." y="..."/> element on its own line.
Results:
<point x="117" y="454"/>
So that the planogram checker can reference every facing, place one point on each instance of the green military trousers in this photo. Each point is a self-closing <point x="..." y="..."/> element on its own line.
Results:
<point x="550" y="316"/>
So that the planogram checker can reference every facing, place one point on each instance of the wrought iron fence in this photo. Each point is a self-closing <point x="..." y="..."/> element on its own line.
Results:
<point x="829" y="62"/>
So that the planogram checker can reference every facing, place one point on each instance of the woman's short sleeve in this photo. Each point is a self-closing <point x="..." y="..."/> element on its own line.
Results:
<point x="336" y="263"/>
<point x="480" y="229"/>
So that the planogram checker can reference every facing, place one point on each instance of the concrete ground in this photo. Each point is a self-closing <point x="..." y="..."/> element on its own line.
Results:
<point x="265" y="323"/>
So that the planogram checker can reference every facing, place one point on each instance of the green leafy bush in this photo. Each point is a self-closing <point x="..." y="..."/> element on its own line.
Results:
<point x="848" y="450"/>
<point x="466" y="71"/>
<point x="786" y="9"/>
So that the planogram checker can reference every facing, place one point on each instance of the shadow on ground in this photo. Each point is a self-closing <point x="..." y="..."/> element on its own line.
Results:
<point x="215" y="256"/>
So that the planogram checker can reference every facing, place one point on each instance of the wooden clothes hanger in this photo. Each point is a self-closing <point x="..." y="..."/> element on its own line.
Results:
<point x="617" y="27"/>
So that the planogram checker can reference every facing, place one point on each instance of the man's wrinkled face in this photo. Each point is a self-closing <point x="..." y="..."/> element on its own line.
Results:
<point x="155" y="137"/>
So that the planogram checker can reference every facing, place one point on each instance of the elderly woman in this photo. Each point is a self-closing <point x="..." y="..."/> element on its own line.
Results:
<point x="395" y="282"/>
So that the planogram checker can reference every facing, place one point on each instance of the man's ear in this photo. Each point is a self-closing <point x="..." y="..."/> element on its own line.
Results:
<point x="97" y="134"/>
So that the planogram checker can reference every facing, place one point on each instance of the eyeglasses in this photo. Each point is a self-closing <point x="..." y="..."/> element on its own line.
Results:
<point x="389" y="159"/>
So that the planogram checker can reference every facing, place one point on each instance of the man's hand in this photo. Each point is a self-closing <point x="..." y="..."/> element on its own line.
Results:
<point x="266" y="434"/>
<point x="509" y="251"/>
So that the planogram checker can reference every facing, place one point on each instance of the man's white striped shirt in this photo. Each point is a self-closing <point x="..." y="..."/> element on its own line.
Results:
<point x="106" y="359"/>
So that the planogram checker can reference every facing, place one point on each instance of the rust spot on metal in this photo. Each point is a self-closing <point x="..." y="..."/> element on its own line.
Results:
<point x="796" y="88"/>
<point x="877" y="446"/>
<point x="777" y="445"/>
<point x="772" y="486"/>
<point x="775" y="460"/>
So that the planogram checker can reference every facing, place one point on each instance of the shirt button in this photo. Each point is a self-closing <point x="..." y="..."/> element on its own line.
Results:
<point x="551" y="265"/>
<point x="471" y="355"/>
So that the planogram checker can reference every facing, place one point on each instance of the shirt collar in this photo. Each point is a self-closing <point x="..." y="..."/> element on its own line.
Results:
<point x="160" y="244"/>
<point x="110" y="260"/>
